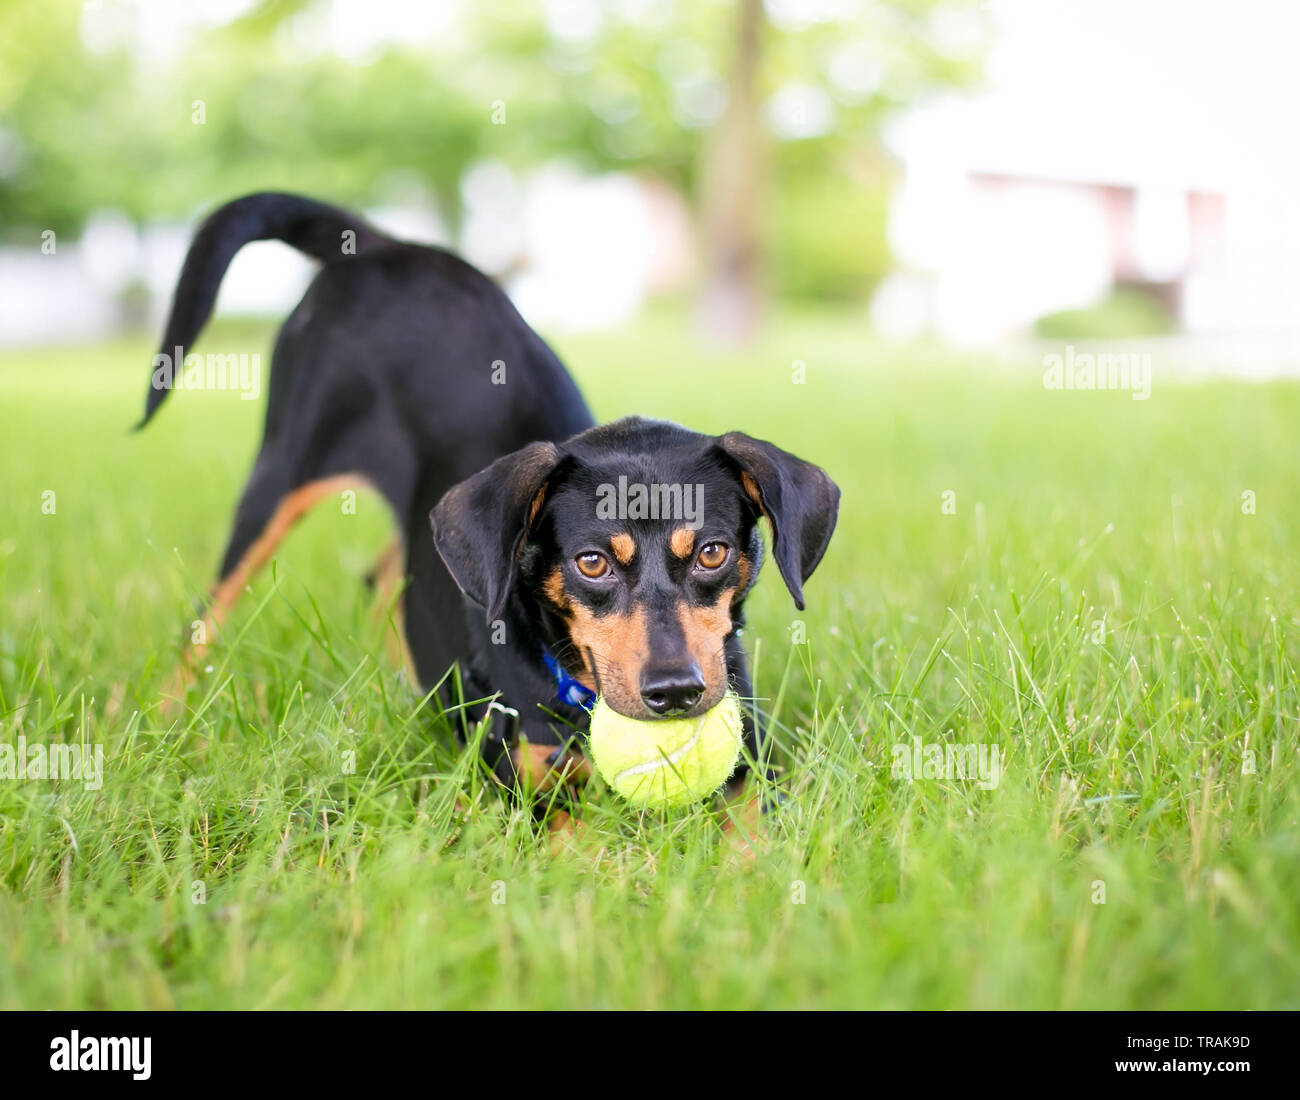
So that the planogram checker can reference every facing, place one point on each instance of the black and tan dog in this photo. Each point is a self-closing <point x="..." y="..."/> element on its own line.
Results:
<point x="565" y="559"/>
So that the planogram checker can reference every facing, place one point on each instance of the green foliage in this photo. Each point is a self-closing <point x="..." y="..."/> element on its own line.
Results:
<point x="826" y="237"/>
<point x="1125" y="639"/>
<point x="117" y="129"/>
<point x="1124" y="313"/>
<point x="66" y="119"/>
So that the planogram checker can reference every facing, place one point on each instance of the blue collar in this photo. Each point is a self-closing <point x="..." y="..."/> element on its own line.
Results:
<point x="569" y="691"/>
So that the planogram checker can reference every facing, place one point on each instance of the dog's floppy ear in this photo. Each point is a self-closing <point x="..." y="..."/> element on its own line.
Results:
<point x="479" y="524"/>
<point x="799" y="500"/>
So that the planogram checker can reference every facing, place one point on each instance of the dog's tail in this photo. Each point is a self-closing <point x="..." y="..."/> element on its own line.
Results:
<point x="324" y="232"/>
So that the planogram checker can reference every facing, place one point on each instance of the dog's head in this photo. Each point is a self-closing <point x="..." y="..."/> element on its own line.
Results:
<point x="632" y="547"/>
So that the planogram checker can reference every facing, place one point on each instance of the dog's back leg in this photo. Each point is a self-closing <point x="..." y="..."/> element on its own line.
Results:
<point x="267" y="512"/>
<point x="273" y="502"/>
<point x="261" y="525"/>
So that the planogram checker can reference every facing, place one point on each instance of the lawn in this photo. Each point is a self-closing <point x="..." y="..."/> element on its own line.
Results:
<point x="1102" y="590"/>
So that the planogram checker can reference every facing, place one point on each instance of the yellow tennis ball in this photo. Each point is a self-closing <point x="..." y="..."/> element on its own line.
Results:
<point x="668" y="762"/>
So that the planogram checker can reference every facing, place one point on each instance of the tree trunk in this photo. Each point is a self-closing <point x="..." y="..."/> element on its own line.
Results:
<point x="730" y="303"/>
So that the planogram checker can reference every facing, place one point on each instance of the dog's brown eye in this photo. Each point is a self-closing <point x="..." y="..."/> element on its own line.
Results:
<point x="592" y="564"/>
<point x="712" y="555"/>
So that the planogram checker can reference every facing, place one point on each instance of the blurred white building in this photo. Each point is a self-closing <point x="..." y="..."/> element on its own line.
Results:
<point x="1116" y="142"/>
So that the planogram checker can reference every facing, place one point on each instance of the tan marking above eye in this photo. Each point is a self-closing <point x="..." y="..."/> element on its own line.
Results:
<point x="592" y="564"/>
<point x="712" y="555"/>
<point x="624" y="548"/>
<point x="682" y="542"/>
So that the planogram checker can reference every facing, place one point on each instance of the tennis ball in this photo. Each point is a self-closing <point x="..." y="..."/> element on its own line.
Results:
<point x="668" y="762"/>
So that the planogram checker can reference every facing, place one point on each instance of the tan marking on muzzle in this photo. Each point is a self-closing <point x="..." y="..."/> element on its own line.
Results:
<point x="706" y="629"/>
<point x="617" y="645"/>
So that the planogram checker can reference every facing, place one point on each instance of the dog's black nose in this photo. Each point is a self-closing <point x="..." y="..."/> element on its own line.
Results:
<point x="672" y="690"/>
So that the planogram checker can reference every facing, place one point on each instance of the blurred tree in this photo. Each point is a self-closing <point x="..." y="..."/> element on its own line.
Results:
<point x="729" y="305"/>
<point x="54" y="156"/>
<point x="718" y="97"/>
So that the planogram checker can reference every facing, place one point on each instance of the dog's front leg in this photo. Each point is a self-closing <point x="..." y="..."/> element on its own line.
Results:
<point x="543" y="768"/>
<point x="528" y="756"/>
<point x="745" y="828"/>
<point x="751" y="721"/>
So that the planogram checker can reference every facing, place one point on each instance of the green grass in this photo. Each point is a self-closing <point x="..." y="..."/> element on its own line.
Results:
<point x="1098" y="606"/>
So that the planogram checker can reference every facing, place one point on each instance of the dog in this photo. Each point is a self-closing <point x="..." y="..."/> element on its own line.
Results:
<point x="546" y="558"/>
